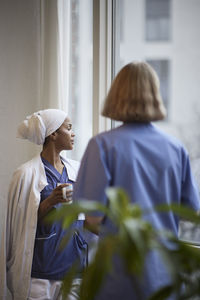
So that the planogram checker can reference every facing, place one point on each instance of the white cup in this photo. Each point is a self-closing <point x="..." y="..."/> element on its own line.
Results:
<point x="65" y="189"/>
<point x="69" y="187"/>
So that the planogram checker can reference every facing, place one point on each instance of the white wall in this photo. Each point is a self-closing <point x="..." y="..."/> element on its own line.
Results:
<point x="19" y="83"/>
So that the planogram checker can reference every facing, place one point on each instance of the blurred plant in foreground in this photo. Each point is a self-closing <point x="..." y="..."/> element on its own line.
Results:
<point x="132" y="240"/>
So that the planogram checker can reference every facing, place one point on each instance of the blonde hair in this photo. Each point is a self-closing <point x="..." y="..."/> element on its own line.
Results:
<point x="134" y="95"/>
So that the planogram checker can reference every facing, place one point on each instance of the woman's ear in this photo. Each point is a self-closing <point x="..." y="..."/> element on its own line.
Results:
<point x="53" y="135"/>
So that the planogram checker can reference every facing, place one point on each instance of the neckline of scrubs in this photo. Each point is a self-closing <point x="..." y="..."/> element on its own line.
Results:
<point x="54" y="172"/>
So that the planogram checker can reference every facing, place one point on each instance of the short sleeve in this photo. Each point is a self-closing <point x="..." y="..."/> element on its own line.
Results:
<point x="189" y="190"/>
<point x="93" y="176"/>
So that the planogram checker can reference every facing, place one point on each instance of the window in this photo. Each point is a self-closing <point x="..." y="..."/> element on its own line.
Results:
<point x="162" y="68"/>
<point x="147" y="27"/>
<point x="158" y="20"/>
<point x="85" y="65"/>
<point x="80" y="73"/>
<point x="74" y="51"/>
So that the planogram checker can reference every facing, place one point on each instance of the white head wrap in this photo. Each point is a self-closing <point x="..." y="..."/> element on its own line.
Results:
<point x="41" y="124"/>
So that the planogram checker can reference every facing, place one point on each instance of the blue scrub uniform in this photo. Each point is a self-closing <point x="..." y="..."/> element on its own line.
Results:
<point x="153" y="168"/>
<point x="49" y="261"/>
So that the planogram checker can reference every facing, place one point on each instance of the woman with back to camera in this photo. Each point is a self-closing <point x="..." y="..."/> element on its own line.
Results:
<point x="150" y="165"/>
<point x="32" y="264"/>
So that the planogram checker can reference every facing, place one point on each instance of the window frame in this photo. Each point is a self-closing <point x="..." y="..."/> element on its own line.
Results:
<point x="103" y="64"/>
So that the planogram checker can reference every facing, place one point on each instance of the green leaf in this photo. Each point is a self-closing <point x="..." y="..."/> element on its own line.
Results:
<point x="118" y="204"/>
<point x="182" y="211"/>
<point x="69" y="213"/>
<point x="135" y="211"/>
<point x="94" y="275"/>
<point x="67" y="281"/>
<point x="135" y="236"/>
<point x="162" y="293"/>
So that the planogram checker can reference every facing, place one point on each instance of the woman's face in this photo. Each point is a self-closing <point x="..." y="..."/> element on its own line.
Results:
<point x="65" y="136"/>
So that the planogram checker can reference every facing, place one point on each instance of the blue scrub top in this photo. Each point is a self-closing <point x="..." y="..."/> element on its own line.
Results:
<point x="49" y="261"/>
<point x="153" y="168"/>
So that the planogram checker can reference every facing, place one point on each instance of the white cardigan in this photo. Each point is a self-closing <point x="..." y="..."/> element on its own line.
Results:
<point x="18" y="236"/>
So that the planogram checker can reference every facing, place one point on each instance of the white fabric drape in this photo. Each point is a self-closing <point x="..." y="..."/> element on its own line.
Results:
<point x="55" y="53"/>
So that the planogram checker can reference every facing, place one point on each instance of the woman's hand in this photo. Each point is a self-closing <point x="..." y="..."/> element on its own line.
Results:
<point x="59" y="195"/>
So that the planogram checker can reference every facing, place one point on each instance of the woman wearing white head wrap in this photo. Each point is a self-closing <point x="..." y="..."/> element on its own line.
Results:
<point x="31" y="265"/>
<point x="41" y="124"/>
